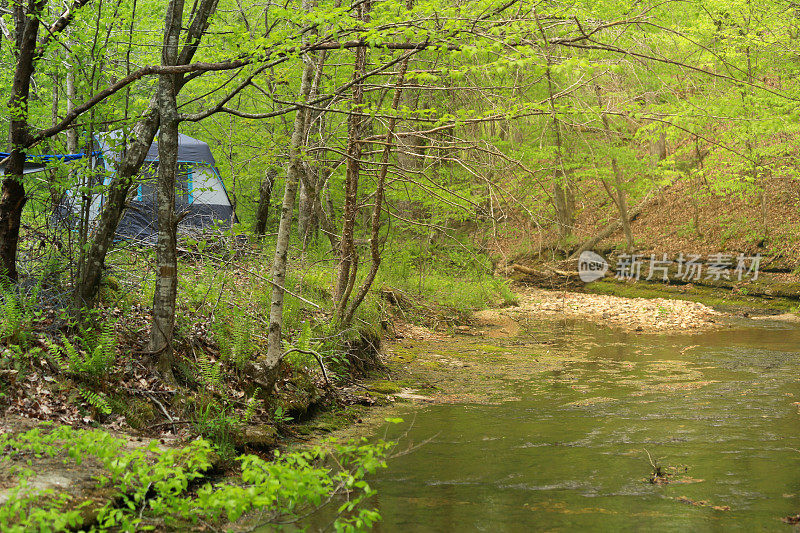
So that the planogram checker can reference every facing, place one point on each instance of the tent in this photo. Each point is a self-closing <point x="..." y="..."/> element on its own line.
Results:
<point x="37" y="163"/>
<point x="201" y="198"/>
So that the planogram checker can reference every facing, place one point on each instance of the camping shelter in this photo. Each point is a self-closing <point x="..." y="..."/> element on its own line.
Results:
<point x="38" y="163"/>
<point x="200" y="198"/>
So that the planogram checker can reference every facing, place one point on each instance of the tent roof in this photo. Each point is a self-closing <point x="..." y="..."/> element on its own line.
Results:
<point x="189" y="149"/>
<point x="37" y="163"/>
<point x="29" y="168"/>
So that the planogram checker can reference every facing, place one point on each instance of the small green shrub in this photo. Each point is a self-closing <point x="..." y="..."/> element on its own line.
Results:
<point x="153" y="483"/>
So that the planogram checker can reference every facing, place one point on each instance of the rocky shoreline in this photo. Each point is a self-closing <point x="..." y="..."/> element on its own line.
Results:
<point x="635" y="314"/>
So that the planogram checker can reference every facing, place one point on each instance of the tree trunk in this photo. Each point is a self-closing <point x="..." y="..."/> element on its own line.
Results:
<point x="266" y="369"/>
<point x="348" y="262"/>
<point x="304" y="211"/>
<point x="12" y="200"/>
<point x="614" y="227"/>
<point x="563" y="194"/>
<point x="325" y="218"/>
<point x="135" y="151"/>
<point x="12" y="192"/>
<point x="264" y="198"/>
<point x="564" y="203"/>
<point x="164" y="296"/>
<point x="622" y="203"/>
<point x="375" y="225"/>
<point x="307" y="219"/>
<point x="114" y="204"/>
<point x="619" y="199"/>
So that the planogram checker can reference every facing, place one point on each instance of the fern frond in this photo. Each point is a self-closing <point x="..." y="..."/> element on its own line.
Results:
<point x="57" y="353"/>
<point x="210" y="373"/>
<point x="96" y="400"/>
<point x="251" y="407"/>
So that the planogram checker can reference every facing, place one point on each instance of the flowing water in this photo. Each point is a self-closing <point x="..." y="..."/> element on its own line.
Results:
<point x="716" y="411"/>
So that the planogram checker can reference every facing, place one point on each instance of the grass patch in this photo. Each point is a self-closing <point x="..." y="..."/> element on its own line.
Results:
<point x="712" y="297"/>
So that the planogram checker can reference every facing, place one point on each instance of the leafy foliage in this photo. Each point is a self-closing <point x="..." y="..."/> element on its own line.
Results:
<point x="153" y="483"/>
<point x="94" y="354"/>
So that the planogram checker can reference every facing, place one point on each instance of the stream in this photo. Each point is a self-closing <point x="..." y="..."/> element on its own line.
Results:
<point x="569" y="447"/>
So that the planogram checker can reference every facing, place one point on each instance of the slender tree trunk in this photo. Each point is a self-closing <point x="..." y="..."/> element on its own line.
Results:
<point x="72" y="134"/>
<point x="54" y="103"/>
<point x="304" y="211"/>
<point x="563" y="194"/>
<point x="12" y="200"/>
<point x="267" y="368"/>
<point x="12" y="191"/>
<point x="348" y="262"/>
<point x="323" y="220"/>
<point x="56" y="81"/>
<point x="307" y="219"/>
<point x="114" y="204"/>
<point x="264" y="198"/>
<point x="323" y="208"/>
<point x="374" y="243"/>
<point x="622" y="203"/>
<point x="619" y="181"/>
<point x="164" y="296"/>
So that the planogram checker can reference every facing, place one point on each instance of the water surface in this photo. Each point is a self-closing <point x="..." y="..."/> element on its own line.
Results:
<point x="717" y="410"/>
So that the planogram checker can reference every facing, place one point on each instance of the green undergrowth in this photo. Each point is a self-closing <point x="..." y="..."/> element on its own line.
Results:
<point x="152" y="486"/>
<point x="222" y="322"/>
<point x="454" y="277"/>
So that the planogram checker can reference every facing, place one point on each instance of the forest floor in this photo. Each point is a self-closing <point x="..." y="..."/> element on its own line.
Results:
<point x="683" y="218"/>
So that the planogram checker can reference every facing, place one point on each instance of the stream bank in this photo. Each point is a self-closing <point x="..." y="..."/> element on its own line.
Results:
<point x="568" y="423"/>
<point x="465" y="363"/>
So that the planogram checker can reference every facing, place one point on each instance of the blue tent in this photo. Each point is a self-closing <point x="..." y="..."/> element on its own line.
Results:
<point x="37" y="163"/>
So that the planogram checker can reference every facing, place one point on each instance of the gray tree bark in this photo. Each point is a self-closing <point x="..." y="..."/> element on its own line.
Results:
<point x="165" y="294"/>
<point x="305" y="210"/>
<point x="266" y="369"/>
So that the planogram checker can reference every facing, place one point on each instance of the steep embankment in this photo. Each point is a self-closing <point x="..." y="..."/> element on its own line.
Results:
<point x="685" y="221"/>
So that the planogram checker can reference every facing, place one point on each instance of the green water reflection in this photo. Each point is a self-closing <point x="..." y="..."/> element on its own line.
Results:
<point x="570" y="453"/>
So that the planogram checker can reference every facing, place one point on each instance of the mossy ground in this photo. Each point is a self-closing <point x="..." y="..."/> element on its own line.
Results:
<point x="720" y="299"/>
